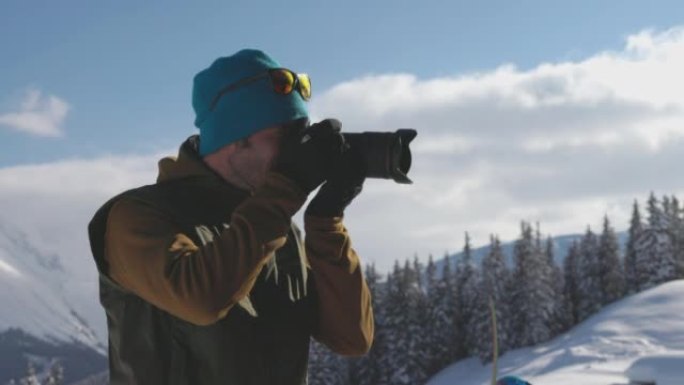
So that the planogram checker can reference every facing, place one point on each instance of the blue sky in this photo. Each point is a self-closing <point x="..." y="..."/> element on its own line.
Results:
<point x="550" y="112"/>
<point x="125" y="68"/>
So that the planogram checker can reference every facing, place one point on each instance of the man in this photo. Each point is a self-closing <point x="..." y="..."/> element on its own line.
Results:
<point x="203" y="275"/>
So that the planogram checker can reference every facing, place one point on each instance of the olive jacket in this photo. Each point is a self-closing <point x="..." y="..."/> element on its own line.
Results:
<point x="205" y="283"/>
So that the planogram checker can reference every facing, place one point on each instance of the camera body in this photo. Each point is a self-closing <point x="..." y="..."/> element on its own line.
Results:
<point x="386" y="155"/>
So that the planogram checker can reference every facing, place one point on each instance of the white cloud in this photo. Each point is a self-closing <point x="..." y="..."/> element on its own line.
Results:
<point x="626" y="90"/>
<point x="53" y="203"/>
<point x="562" y="144"/>
<point x="38" y="115"/>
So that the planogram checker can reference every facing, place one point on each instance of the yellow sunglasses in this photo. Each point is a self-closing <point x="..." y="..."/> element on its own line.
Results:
<point x="283" y="81"/>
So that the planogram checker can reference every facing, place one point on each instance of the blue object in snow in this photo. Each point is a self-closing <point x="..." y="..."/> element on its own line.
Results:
<point x="512" y="380"/>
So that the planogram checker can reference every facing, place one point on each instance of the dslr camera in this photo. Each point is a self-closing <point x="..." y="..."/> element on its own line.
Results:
<point x="386" y="155"/>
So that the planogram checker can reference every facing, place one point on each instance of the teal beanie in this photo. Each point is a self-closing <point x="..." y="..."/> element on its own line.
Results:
<point x="244" y="110"/>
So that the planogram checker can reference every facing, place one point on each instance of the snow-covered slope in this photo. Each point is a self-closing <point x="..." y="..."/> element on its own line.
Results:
<point x="42" y="297"/>
<point x="597" y="352"/>
<point x="48" y="306"/>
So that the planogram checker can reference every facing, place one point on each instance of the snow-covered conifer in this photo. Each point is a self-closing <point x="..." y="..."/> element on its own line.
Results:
<point x="442" y="332"/>
<point x="636" y="227"/>
<point x="55" y="374"/>
<point x="589" y="279"/>
<point x="612" y="275"/>
<point x="395" y="320"/>
<point x="571" y="285"/>
<point x="404" y="362"/>
<point x="366" y="370"/>
<point x="557" y="285"/>
<point x="677" y="230"/>
<point x="532" y="301"/>
<point x="655" y="253"/>
<point x="466" y="288"/>
<point x="326" y="367"/>
<point x="495" y="277"/>
<point x="418" y="318"/>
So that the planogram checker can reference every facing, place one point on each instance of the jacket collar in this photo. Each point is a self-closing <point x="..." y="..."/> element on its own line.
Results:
<point x="189" y="164"/>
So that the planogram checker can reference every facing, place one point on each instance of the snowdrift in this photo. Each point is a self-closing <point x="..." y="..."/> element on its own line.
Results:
<point x="641" y="336"/>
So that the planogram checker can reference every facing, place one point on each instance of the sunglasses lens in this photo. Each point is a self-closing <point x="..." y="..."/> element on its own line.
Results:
<point x="305" y="86"/>
<point x="283" y="81"/>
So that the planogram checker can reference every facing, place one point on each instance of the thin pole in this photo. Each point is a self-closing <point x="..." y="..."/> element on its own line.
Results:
<point x="495" y="340"/>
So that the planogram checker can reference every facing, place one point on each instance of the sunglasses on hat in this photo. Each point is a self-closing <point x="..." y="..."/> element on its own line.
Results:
<point x="283" y="80"/>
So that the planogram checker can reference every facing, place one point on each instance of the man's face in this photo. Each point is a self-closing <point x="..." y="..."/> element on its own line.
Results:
<point x="252" y="159"/>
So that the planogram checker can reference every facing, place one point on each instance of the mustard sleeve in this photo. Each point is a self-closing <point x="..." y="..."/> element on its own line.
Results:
<point x="346" y="324"/>
<point x="150" y="256"/>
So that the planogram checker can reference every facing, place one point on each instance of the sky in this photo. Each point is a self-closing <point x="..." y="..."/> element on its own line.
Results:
<point x="558" y="113"/>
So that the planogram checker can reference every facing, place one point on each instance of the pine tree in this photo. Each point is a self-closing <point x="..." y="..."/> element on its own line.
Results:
<point x="544" y="290"/>
<point x="430" y="276"/>
<point x="589" y="282"/>
<point x="418" y="349"/>
<point x="611" y="274"/>
<point x="495" y="276"/>
<point x="532" y="301"/>
<point x="557" y="284"/>
<point x="430" y="286"/>
<point x="667" y="210"/>
<point x="442" y="333"/>
<point x="31" y="377"/>
<point x="405" y="361"/>
<point x="326" y="367"/>
<point x="635" y="229"/>
<point x="55" y="375"/>
<point x="522" y="256"/>
<point x="677" y="231"/>
<point x="655" y="254"/>
<point x="466" y="287"/>
<point x="418" y="273"/>
<point x="571" y="292"/>
<point x="394" y="322"/>
<point x="656" y="217"/>
<point x="366" y="370"/>
<point x="479" y="328"/>
<point x="676" y="209"/>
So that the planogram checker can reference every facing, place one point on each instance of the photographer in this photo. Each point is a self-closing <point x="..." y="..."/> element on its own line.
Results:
<point x="204" y="277"/>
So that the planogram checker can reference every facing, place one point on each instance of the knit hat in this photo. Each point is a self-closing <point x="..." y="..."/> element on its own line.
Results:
<point x="244" y="110"/>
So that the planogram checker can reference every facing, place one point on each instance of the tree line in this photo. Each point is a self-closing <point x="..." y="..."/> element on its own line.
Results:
<point x="428" y="317"/>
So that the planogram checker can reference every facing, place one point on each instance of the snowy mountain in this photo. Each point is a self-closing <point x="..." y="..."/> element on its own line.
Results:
<point x="641" y="335"/>
<point x="47" y="311"/>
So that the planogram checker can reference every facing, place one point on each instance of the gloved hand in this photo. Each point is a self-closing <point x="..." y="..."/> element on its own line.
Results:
<point x="344" y="184"/>
<point x="307" y="154"/>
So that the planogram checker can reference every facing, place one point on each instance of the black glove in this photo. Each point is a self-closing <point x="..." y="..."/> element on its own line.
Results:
<point x="307" y="153"/>
<point x="344" y="184"/>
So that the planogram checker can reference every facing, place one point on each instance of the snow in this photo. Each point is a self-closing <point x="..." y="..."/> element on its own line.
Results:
<point x="641" y="336"/>
<point x="38" y="296"/>
<point x="666" y="369"/>
<point x="9" y="269"/>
